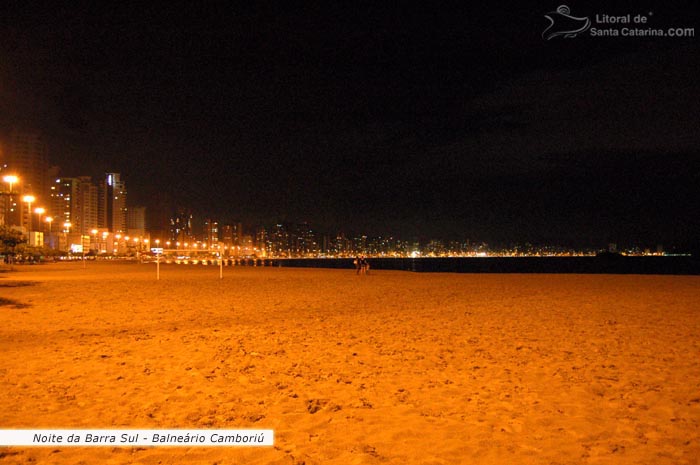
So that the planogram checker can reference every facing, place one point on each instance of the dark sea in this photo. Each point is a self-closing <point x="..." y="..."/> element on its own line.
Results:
<point x="666" y="265"/>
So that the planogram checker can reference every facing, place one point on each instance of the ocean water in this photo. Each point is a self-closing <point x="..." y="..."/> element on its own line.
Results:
<point x="668" y="265"/>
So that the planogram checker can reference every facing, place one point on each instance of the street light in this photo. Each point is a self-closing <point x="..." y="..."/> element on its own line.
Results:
<point x="49" y="220"/>
<point x="10" y="179"/>
<point x="158" y="254"/>
<point x="94" y="235"/>
<point x="40" y="211"/>
<point x="29" y="199"/>
<point x="116" y="243"/>
<point x="66" y="230"/>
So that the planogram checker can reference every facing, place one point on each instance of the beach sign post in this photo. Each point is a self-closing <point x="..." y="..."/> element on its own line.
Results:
<point x="158" y="251"/>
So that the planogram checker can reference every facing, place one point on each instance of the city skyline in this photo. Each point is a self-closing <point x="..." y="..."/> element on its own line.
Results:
<point x="134" y="221"/>
<point x="87" y="213"/>
<point x="421" y="122"/>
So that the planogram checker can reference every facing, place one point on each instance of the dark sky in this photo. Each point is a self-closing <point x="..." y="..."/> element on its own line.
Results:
<point x="432" y="121"/>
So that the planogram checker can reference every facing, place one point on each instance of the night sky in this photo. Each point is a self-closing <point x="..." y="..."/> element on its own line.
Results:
<point x="428" y="122"/>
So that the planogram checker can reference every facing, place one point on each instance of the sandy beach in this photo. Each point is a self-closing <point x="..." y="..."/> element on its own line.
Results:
<point x="390" y="368"/>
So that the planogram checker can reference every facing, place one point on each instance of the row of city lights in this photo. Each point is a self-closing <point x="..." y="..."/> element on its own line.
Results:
<point x="11" y="180"/>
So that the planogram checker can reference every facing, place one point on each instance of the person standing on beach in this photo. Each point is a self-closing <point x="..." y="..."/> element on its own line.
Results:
<point x="362" y="265"/>
<point x="358" y="264"/>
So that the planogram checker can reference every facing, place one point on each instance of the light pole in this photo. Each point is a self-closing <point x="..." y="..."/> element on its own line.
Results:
<point x="40" y="211"/>
<point x="94" y="236"/>
<point x="49" y="220"/>
<point x="29" y="199"/>
<point x="66" y="231"/>
<point x="157" y="241"/>
<point x="10" y="180"/>
<point x="221" y="265"/>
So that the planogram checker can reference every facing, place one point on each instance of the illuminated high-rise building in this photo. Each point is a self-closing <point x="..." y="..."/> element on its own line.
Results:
<point x="181" y="226"/>
<point x="279" y="243"/>
<point x="227" y="235"/>
<point x="303" y="240"/>
<point x="8" y="199"/>
<point x="158" y="215"/>
<point x="112" y="204"/>
<point x="24" y="155"/>
<point x="261" y="240"/>
<point x="63" y="195"/>
<point x="211" y="232"/>
<point x="87" y="201"/>
<point x="74" y="201"/>
<point x="136" y="221"/>
<point x="27" y="155"/>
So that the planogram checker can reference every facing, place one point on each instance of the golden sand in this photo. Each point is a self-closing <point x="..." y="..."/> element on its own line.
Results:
<point x="390" y="368"/>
